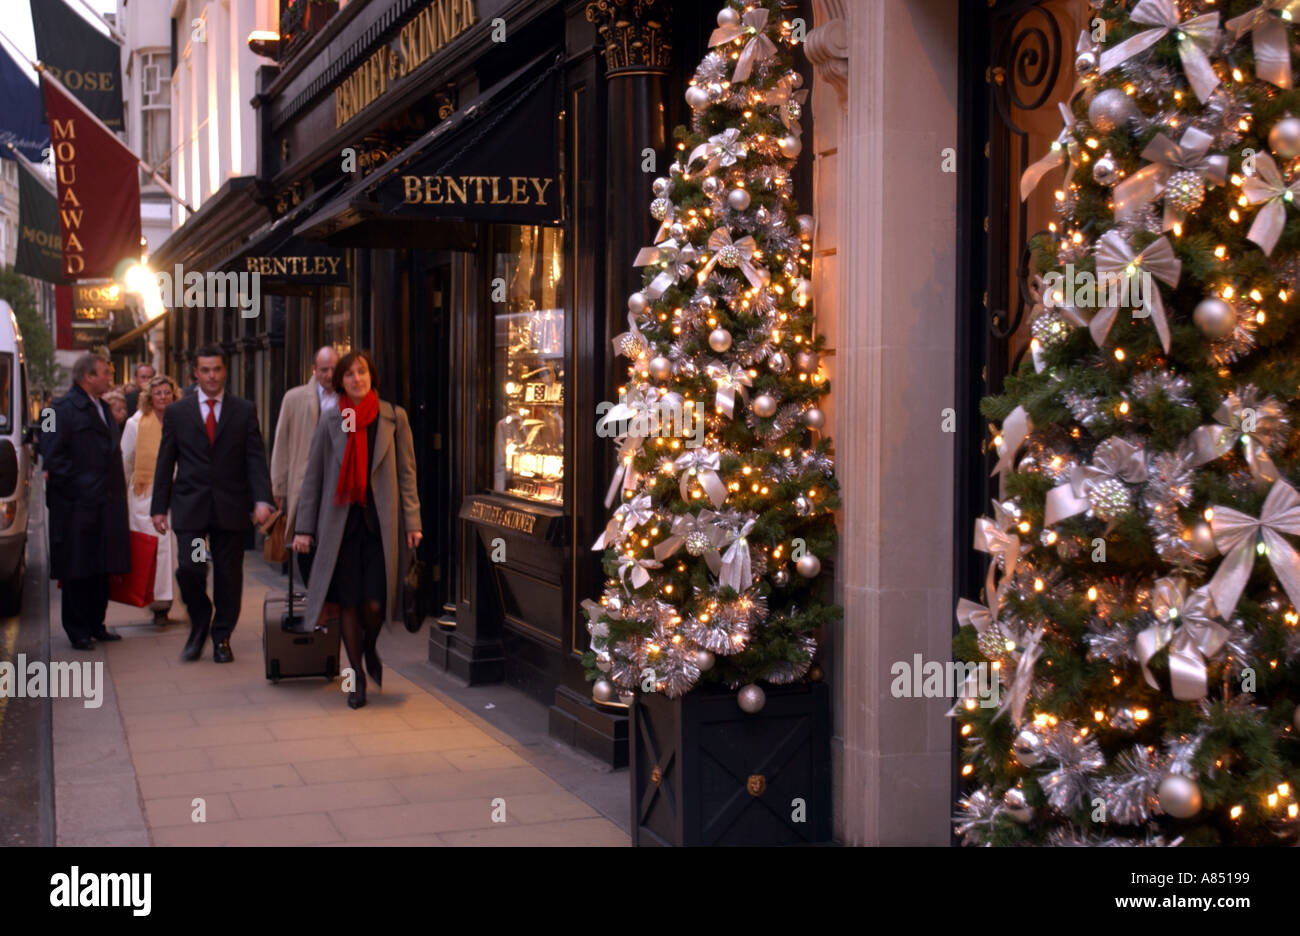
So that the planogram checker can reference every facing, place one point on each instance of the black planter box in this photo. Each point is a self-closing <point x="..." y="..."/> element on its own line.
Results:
<point x="706" y="773"/>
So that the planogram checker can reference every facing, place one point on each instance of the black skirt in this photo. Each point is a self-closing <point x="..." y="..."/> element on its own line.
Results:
<point x="359" y="572"/>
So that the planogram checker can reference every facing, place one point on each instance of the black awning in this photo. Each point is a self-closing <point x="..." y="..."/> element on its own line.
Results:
<point x="495" y="160"/>
<point x="281" y="257"/>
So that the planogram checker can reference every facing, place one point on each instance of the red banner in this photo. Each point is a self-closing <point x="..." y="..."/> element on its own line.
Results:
<point x="63" y="340"/>
<point x="99" y="189"/>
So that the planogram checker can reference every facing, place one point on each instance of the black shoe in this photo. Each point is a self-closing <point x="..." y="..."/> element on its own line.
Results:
<point x="375" y="667"/>
<point x="194" y="646"/>
<point x="160" y="619"/>
<point x="85" y="643"/>
<point x="357" y="697"/>
<point x="106" y="635"/>
<point x="221" y="652"/>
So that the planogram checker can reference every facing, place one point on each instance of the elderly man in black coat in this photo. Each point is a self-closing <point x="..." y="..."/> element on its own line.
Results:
<point x="86" y="494"/>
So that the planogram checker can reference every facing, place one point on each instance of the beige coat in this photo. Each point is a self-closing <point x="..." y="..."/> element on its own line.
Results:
<point x="299" y="413"/>
<point x="392" y="474"/>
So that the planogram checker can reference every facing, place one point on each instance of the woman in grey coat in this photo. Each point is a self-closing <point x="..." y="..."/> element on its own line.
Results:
<point x="359" y="501"/>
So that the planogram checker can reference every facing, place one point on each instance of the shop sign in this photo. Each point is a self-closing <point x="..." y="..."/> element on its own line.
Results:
<point x="300" y="268"/>
<point x="419" y="40"/>
<point x="506" y="517"/>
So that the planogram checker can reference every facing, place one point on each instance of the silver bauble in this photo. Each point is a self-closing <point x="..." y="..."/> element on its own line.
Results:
<point x="677" y="231"/>
<point x="1085" y="63"/>
<point x="675" y="169"/>
<point x="719" y="340"/>
<point x="1050" y="328"/>
<point x="795" y="79"/>
<point x="1110" y="498"/>
<point x="697" y="541"/>
<point x="802" y="291"/>
<point x="728" y="16"/>
<point x="1215" y="318"/>
<point x="806" y="226"/>
<point x="703" y="660"/>
<point x="1185" y="190"/>
<point x="778" y="362"/>
<point x="1027" y="748"/>
<point x="659" y="208"/>
<point x="763" y="405"/>
<point x="660" y="187"/>
<point x="808" y="565"/>
<point x="992" y="643"/>
<point x="1284" y="138"/>
<point x="729" y="256"/>
<point x="738" y="199"/>
<point x="806" y="361"/>
<point x="706" y="304"/>
<point x="1110" y="109"/>
<point x="793" y="110"/>
<point x="790" y="145"/>
<point x="696" y="97"/>
<point x="781" y="578"/>
<point x="762" y="215"/>
<point x="602" y="690"/>
<point x="1105" y="171"/>
<point x="802" y="506"/>
<point x="1203" y="541"/>
<point x="791" y="265"/>
<point x="660" y="367"/>
<point x="814" y="418"/>
<point x="751" y="699"/>
<point x="671" y="401"/>
<point x="712" y="185"/>
<point x="1179" y="796"/>
<point x="715" y="91"/>
<point x="637" y="303"/>
<point x="1017" y="806"/>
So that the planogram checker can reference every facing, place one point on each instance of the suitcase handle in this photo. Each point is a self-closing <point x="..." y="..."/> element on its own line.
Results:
<point x="292" y="557"/>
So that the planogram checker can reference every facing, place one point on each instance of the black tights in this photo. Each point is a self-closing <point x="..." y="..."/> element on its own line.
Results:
<point x="360" y="627"/>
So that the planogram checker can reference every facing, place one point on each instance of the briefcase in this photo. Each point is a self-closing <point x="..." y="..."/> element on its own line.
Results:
<point x="273" y="546"/>
<point x="291" y="648"/>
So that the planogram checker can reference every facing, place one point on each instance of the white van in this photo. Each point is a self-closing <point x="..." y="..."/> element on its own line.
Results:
<point x="15" y="463"/>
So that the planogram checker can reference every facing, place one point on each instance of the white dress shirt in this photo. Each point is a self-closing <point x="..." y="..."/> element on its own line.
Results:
<point x="326" y="398"/>
<point x="203" y="405"/>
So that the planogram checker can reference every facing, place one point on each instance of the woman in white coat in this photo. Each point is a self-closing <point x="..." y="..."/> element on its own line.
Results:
<point x="140" y="438"/>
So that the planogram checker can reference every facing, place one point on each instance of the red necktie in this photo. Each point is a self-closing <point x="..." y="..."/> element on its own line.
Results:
<point x="211" y="422"/>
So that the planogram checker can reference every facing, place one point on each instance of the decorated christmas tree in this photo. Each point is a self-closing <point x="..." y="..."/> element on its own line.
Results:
<point x="1141" y="603"/>
<point x="714" y="551"/>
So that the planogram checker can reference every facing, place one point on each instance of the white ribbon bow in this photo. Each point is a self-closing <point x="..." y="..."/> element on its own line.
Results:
<point x="759" y="48"/>
<point x="704" y="466"/>
<point x="736" y="570"/>
<point x="1166" y="157"/>
<point x="722" y="149"/>
<point x="1268" y="188"/>
<point x="637" y="568"/>
<point x="731" y="380"/>
<point x="1238" y="535"/>
<point x="1065" y="149"/>
<point x="1196" y="36"/>
<point x="669" y="254"/>
<point x="1114" y="256"/>
<point x="1015" y="430"/>
<point x="1185" y="622"/>
<point x="719" y="240"/>
<point x="1269" y="35"/>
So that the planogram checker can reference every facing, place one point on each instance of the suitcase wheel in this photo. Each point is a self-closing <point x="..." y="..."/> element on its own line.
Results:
<point x="274" y="674"/>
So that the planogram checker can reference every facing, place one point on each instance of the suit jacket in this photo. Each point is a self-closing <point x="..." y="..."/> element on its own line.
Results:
<point x="299" y="413"/>
<point x="393" y="483"/>
<point x="216" y="485"/>
<point x="86" y="491"/>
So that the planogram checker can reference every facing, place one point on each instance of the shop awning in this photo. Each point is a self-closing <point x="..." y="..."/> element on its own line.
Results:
<point x="282" y="258"/>
<point x="495" y="160"/>
<point x="122" y="341"/>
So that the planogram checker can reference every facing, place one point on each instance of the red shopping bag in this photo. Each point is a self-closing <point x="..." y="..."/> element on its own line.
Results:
<point x="136" y="587"/>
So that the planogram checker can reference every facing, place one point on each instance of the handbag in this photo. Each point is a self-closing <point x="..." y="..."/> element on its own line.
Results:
<point x="412" y="604"/>
<point x="273" y="547"/>
<point x="136" y="587"/>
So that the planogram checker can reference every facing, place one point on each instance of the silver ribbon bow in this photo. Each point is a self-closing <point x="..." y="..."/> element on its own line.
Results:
<point x="995" y="538"/>
<point x="1238" y="535"/>
<point x="1165" y="157"/>
<point x="785" y="93"/>
<point x="704" y="466"/>
<point x="1114" y="458"/>
<point x="758" y="48"/>
<point x="1115" y="256"/>
<point x="1186" y="623"/>
<point x="684" y="524"/>
<point x="633" y="334"/>
<point x="626" y="518"/>
<point x="736" y="570"/>
<point x="625" y="475"/>
<point x="1212" y="442"/>
<point x="669" y="254"/>
<point x="1267" y="187"/>
<point x="745" y="247"/>
<point x="722" y="149"/>
<point x="1269" y="35"/>
<point x="1014" y="699"/>
<point x="1015" y="430"/>
<point x="1196" y="37"/>
<point x="730" y="380"/>
<point x="1065" y="149"/>
<point x="637" y="567"/>
<point x="1042" y="300"/>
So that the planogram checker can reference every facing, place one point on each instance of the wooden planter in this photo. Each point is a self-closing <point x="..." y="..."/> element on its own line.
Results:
<point x="705" y="773"/>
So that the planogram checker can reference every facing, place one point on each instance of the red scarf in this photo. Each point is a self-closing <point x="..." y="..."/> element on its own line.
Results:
<point x="351" y="488"/>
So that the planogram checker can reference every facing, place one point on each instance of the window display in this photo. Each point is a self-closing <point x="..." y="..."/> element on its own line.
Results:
<point x="528" y="376"/>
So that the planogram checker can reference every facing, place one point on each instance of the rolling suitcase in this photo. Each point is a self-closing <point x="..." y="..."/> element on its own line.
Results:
<point x="289" y="646"/>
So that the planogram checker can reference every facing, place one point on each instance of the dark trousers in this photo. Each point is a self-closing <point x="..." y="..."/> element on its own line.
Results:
<point x="227" y="559"/>
<point x="85" y="600"/>
<point x="304" y="563"/>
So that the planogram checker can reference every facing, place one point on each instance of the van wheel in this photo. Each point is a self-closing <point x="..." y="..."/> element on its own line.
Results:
<point x="11" y="592"/>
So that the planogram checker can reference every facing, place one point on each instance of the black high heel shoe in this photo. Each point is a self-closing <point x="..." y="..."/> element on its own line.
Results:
<point x="357" y="697"/>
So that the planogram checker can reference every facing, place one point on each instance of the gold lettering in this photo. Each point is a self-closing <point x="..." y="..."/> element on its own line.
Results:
<point x="468" y="17"/>
<point x="411" y="189"/>
<point x="453" y="16"/>
<point x="71" y="175"/>
<point x="541" y="189"/>
<point x="66" y="129"/>
<point x="444" y="22"/>
<point x="519" y="190"/>
<point x="496" y="181"/>
<point x="453" y="188"/>
<point x="106" y="81"/>
<point x="73" y="243"/>
<point x="69" y="198"/>
<point x="432" y="184"/>
<point x="334" y="264"/>
<point x="428" y="39"/>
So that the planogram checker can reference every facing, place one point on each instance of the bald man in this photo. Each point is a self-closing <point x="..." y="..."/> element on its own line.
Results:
<point x="299" y="412"/>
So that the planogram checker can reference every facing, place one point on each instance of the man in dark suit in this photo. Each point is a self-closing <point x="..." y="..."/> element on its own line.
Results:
<point x="86" y="494"/>
<point x="212" y="440"/>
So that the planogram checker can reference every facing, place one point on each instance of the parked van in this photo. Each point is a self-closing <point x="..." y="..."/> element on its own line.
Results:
<point x="15" y="463"/>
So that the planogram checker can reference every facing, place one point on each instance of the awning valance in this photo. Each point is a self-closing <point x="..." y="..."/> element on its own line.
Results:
<point x="280" y="257"/>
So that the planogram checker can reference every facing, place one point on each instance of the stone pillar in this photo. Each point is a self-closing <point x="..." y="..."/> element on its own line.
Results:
<point x="885" y="107"/>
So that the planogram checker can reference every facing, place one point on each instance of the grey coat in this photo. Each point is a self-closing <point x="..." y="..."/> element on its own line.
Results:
<point x="392" y="476"/>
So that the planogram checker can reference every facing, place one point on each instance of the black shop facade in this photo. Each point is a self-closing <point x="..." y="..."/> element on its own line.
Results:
<point x="472" y="175"/>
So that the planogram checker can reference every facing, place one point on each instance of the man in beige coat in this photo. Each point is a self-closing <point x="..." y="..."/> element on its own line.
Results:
<point x="299" y="413"/>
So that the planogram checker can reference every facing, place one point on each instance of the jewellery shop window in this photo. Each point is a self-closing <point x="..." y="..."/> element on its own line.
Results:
<point x="528" y="363"/>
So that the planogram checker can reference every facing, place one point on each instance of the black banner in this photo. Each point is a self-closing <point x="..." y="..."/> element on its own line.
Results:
<point x="502" y="166"/>
<point x="40" y="251"/>
<point x="87" y="62"/>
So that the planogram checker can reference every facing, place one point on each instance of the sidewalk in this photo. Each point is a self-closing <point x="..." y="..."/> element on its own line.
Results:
<point x="288" y="764"/>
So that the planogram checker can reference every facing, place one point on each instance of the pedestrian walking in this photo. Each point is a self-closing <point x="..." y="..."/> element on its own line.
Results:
<point x="116" y="401"/>
<point x="86" y="496"/>
<point x="360" y="507"/>
<point x="299" y="413"/>
<point x="144" y="373"/>
<point x="212" y="442"/>
<point x="140" y="442"/>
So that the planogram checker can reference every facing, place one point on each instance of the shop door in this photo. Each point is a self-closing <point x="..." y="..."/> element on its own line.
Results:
<point x="430" y="403"/>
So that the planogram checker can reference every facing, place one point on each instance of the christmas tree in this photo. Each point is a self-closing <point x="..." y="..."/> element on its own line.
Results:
<point x="713" y="555"/>
<point x="1141" y="601"/>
